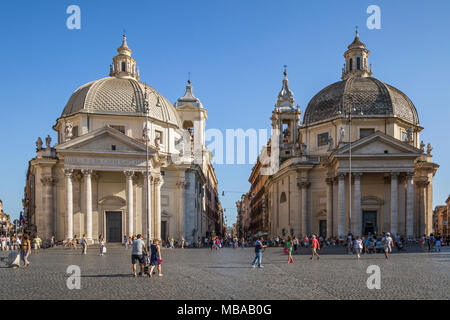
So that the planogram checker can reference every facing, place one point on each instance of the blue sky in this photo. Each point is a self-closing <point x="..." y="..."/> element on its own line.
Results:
<point x="235" y="51"/>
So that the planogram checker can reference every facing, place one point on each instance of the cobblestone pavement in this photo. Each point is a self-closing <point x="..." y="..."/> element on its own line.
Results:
<point x="227" y="274"/>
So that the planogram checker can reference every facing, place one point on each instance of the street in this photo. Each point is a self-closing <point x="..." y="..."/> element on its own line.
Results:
<point x="227" y="274"/>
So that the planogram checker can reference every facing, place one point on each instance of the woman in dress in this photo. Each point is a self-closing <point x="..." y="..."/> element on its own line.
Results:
<point x="101" y="243"/>
<point x="289" y="246"/>
<point x="155" y="258"/>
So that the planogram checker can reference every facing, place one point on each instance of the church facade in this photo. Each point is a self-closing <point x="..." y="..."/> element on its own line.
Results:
<point x="127" y="161"/>
<point x="354" y="164"/>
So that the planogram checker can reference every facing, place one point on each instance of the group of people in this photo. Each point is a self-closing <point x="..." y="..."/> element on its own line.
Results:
<point x="148" y="258"/>
<point x="14" y="242"/>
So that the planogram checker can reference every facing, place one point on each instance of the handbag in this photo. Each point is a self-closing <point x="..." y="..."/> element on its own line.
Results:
<point x="160" y="260"/>
<point x="104" y="250"/>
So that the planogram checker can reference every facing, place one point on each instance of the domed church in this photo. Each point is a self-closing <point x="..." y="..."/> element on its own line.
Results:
<point x="355" y="164"/>
<point x="127" y="161"/>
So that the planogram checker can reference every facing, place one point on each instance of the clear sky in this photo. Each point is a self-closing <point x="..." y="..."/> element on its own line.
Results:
<point x="235" y="51"/>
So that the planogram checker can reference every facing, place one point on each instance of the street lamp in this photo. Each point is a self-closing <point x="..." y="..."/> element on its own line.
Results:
<point x="147" y="160"/>
<point x="352" y="109"/>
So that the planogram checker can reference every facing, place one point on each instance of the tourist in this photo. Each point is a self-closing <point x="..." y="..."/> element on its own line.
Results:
<point x="305" y="241"/>
<point x="295" y="244"/>
<point x="358" y="246"/>
<point x="289" y="246"/>
<point x="182" y="242"/>
<point x="37" y="243"/>
<point x="438" y="243"/>
<point x="52" y="241"/>
<point x="25" y="250"/>
<point x="367" y="242"/>
<point x="315" y="246"/>
<point x="101" y="244"/>
<point x="387" y="243"/>
<point x="83" y="243"/>
<point x="125" y="241"/>
<point x="74" y="242"/>
<point x="349" y="243"/>
<point x="258" y="253"/>
<point x="3" y="240"/>
<point x="137" y="253"/>
<point x="155" y="258"/>
<point x="171" y="241"/>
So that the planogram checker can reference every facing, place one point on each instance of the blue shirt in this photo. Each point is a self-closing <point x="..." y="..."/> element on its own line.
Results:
<point x="258" y="246"/>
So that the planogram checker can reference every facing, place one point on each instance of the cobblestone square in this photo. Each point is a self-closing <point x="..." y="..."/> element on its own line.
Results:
<point x="227" y="274"/>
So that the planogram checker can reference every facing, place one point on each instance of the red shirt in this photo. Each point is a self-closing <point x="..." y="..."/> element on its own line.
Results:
<point x="314" y="243"/>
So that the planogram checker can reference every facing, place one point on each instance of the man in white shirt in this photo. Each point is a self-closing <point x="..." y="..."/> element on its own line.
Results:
<point x="387" y="243"/>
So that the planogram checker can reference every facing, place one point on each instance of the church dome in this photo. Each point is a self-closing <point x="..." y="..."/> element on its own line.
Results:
<point x="367" y="95"/>
<point x="120" y="96"/>
<point x="121" y="93"/>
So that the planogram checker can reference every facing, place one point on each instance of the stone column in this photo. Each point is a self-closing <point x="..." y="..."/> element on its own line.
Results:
<point x="409" y="205"/>
<point x="130" y="202"/>
<point x="148" y="182"/>
<point x="304" y="186"/>
<point x="335" y="207"/>
<point x="69" y="204"/>
<point x="394" y="202"/>
<point x="181" y="185"/>
<point x="423" y="206"/>
<point x="341" y="204"/>
<point x="88" y="196"/>
<point x="357" y="200"/>
<point x="158" y="183"/>
<point x="329" y="182"/>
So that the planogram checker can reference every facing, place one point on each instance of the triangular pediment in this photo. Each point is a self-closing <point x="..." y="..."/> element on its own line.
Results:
<point x="103" y="140"/>
<point x="378" y="143"/>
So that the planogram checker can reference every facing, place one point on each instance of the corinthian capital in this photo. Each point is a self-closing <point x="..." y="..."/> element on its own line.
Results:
<point x="86" y="172"/>
<point x="129" y="174"/>
<point x="49" y="181"/>
<point x="68" y="172"/>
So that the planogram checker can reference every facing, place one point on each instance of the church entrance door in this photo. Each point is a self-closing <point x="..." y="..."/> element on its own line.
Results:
<point x="164" y="230"/>
<point x="323" y="228"/>
<point x="369" y="222"/>
<point x="113" y="226"/>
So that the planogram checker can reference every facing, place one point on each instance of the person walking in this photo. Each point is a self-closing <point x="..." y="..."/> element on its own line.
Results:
<point x="358" y="246"/>
<point x="125" y="241"/>
<point x="182" y="242"/>
<point x="155" y="258"/>
<point x="387" y="243"/>
<point x="25" y="250"/>
<point x="37" y="243"/>
<point x="295" y="244"/>
<point x="259" y="246"/>
<point x="75" y="242"/>
<point x="137" y="254"/>
<point x="101" y="244"/>
<point x="289" y="246"/>
<point x="83" y="243"/>
<point x="315" y="246"/>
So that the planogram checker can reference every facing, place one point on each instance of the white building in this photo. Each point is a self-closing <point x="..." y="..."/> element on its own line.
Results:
<point x="94" y="180"/>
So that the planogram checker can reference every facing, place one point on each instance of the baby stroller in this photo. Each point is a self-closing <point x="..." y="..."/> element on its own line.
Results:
<point x="146" y="264"/>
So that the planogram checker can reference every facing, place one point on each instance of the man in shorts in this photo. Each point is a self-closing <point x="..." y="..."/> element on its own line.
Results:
<point x="137" y="253"/>
<point x="387" y="243"/>
<point x="314" y="247"/>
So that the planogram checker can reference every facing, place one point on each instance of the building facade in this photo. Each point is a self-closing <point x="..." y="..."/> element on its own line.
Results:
<point x="441" y="219"/>
<point x="127" y="161"/>
<point x="354" y="164"/>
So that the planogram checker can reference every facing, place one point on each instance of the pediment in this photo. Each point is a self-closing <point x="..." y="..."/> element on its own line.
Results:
<point x="379" y="143"/>
<point x="102" y="140"/>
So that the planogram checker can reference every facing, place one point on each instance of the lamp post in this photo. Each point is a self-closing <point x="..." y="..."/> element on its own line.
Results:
<point x="348" y="114"/>
<point x="147" y="168"/>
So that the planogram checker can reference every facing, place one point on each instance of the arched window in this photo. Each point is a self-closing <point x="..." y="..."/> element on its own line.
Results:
<point x="351" y="65"/>
<point x="283" y="197"/>
<point x="124" y="66"/>
<point x="358" y="63"/>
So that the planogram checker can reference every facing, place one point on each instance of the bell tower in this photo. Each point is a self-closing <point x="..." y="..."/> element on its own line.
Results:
<point x="356" y="60"/>
<point x="285" y="120"/>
